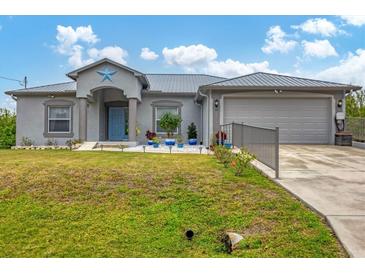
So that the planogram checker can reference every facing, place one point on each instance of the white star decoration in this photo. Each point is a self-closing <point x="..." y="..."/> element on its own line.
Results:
<point x="107" y="74"/>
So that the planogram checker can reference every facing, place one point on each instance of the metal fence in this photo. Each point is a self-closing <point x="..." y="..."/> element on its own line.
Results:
<point x="357" y="127"/>
<point x="262" y="142"/>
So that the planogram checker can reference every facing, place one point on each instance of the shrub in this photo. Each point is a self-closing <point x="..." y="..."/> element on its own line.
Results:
<point x="26" y="141"/>
<point x="170" y="122"/>
<point x="156" y="140"/>
<point x="241" y="161"/>
<point x="150" y="135"/>
<point x="224" y="155"/>
<point x="51" y="142"/>
<point x="72" y="142"/>
<point x="192" y="132"/>
<point x="179" y="139"/>
<point x="7" y="128"/>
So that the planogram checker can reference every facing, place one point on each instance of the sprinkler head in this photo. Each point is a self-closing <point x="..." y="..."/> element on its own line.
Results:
<point x="189" y="234"/>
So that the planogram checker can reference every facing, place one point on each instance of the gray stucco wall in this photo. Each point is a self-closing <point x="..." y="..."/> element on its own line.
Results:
<point x="31" y="115"/>
<point x="124" y="80"/>
<point x="190" y="112"/>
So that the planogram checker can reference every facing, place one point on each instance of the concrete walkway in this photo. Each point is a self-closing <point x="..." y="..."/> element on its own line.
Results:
<point x="331" y="180"/>
<point x="161" y="149"/>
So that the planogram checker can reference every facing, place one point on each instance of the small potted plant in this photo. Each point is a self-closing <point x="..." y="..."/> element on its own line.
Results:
<point x="156" y="142"/>
<point x="192" y="134"/>
<point x="150" y="135"/>
<point x="170" y="122"/>
<point x="221" y="137"/>
<point x="180" y="141"/>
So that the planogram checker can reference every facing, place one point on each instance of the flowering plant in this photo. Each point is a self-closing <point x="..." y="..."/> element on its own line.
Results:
<point x="221" y="136"/>
<point x="150" y="135"/>
<point x="241" y="161"/>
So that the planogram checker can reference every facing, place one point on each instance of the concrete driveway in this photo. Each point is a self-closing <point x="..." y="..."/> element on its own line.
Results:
<point x="331" y="180"/>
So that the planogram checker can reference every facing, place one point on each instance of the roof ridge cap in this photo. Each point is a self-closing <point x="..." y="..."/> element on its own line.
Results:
<point x="304" y="78"/>
<point x="189" y="74"/>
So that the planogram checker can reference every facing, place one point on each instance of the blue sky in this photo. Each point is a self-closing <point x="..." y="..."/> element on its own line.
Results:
<point x="45" y="48"/>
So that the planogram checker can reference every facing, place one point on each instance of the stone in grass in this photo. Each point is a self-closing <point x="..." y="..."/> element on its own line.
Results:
<point x="231" y="240"/>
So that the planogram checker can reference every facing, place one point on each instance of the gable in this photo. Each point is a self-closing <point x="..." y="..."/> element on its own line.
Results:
<point x="107" y="74"/>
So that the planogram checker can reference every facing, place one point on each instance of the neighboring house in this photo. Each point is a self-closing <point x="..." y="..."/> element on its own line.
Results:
<point x="107" y="101"/>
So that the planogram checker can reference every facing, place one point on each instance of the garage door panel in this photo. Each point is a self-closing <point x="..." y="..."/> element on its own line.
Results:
<point x="301" y="120"/>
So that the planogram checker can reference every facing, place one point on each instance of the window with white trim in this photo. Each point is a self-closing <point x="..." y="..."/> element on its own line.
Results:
<point x="59" y="119"/>
<point x="159" y="111"/>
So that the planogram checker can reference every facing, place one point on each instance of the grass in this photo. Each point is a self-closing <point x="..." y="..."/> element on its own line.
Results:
<point x="113" y="204"/>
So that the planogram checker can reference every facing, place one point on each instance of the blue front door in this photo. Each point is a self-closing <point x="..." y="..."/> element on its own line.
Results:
<point x="116" y="124"/>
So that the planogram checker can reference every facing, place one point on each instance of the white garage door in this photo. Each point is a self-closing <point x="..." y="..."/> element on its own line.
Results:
<point x="301" y="120"/>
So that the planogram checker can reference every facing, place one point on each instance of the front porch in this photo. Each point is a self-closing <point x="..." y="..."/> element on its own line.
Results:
<point x="107" y="115"/>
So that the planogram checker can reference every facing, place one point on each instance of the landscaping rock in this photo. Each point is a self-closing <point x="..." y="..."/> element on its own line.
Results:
<point x="231" y="240"/>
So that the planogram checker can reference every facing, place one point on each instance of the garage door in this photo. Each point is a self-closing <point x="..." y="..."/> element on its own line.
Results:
<point x="301" y="120"/>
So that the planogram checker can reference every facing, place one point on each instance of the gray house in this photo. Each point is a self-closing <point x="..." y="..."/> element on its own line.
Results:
<point x="107" y="101"/>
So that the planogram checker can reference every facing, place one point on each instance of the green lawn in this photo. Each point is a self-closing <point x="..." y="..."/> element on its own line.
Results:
<point x="114" y="204"/>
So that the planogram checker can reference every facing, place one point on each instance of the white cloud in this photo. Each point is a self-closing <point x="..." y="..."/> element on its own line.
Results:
<point x="319" y="48"/>
<point x="276" y="41"/>
<point x="189" y="56"/>
<point x="114" y="53"/>
<point x="68" y="36"/>
<point x="355" y="20"/>
<point x="72" y="43"/>
<point x="350" y="70"/>
<point x="8" y="103"/>
<point x="75" y="58"/>
<point x="148" y="54"/>
<point x="202" y="59"/>
<point x="231" y="68"/>
<point x="318" y="26"/>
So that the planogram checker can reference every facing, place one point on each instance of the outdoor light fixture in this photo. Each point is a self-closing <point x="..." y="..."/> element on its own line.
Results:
<point x="277" y="91"/>
<point x="216" y="103"/>
<point x="339" y="103"/>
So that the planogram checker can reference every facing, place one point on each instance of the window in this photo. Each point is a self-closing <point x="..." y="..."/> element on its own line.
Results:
<point x="59" y="119"/>
<point x="161" y="111"/>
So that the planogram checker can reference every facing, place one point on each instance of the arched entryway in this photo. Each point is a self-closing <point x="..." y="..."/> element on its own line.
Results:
<point x="111" y="116"/>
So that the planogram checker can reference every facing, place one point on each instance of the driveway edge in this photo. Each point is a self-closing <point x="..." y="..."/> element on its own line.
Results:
<point x="265" y="171"/>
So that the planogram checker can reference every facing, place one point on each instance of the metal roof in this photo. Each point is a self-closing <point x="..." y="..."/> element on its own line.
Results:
<point x="262" y="79"/>
<point x="179" y="83"/>
<point x="190" y="83"/>
<point x="54" y="88"/>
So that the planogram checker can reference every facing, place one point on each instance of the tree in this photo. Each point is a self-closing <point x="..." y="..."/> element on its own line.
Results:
<point x="7" y="128"/>
<point x="192" y="132"/>
<point x="170" y="122"/>
<point x="355" y="104"/>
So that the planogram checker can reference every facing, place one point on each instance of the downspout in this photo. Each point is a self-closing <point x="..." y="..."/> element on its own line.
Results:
<point x="201" y="119"/>
<point x="201" y="115"/>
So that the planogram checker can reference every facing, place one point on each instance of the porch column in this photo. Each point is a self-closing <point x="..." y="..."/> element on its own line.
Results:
<point x="82" y="119"/>
<point x="132" y="119"/>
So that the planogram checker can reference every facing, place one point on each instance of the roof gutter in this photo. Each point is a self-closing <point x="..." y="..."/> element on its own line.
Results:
<point x="13" y="97"/>
<point x="27" y="93"/>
